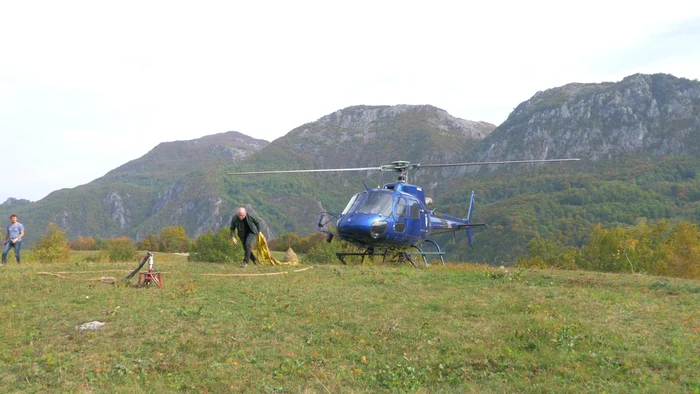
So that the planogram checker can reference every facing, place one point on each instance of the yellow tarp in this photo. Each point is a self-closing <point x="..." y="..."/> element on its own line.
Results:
<point x="264" y="255"/>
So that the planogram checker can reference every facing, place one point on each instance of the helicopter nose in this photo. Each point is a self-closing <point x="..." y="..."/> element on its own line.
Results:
<point x="364" y="226"/>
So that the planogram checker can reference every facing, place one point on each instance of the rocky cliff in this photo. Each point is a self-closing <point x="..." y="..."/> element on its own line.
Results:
<point x="641" y="115"/>
<point x="362" y="136"/>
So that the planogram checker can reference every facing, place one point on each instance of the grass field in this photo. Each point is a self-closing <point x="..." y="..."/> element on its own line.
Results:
<point x="333" y="328"/>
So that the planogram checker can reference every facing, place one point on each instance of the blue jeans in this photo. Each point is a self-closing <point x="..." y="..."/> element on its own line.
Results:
<point x="17" y="245"/>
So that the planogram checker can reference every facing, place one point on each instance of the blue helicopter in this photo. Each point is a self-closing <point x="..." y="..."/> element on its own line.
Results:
<point x="393" y="221"/>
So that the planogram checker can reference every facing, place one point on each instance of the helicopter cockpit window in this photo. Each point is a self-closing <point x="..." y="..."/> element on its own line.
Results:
<point x="379" y="203"/>
<point x="354" y="202"/>
<point x="401" y="208"/>
<point x="415" y="209"/>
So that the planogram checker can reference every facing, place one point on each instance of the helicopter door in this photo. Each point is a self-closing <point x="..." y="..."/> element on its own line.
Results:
<point x="401" y="214"/>
<point x="415" y="225"/>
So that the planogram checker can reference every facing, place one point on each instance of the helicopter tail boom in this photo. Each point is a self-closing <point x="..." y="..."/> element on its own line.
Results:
<point x="444" y="223"/>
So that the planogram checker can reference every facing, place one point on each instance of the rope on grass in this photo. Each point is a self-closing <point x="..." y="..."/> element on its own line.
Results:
<point x="87" y="272"/>
<point x="101" y="279"/>
<point x="264" y="274"/>
<point x="113" y="279"/>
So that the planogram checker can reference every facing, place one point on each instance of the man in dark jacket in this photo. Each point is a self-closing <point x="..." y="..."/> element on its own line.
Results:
<point x="248" y="228"/>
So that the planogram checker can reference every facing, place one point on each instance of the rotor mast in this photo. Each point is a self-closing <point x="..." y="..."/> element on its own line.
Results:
<point x="401" y="167"/>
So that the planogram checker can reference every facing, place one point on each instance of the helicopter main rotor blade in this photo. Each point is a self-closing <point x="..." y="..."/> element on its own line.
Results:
<point x="486" y="163"/>
<point x="298" y="171"/>
<point x="400" y="167"/>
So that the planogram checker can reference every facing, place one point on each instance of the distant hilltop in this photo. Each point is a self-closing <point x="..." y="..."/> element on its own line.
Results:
<point x="14" y="202"/>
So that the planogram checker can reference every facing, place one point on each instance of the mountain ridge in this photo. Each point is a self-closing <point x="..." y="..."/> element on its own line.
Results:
<point x="186" y="183"/>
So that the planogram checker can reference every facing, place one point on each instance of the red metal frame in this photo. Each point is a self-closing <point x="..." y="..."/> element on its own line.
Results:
<point x="146" y="278"/>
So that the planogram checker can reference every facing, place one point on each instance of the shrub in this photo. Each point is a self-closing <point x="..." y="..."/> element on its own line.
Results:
<point x="83" y="243"/>
<point x="324" y="252"/>
<point x="308" y="243"/>
<point x="100" y="244"/>
<point x="216" y="248"/>
<point x="150" y="243"/>
<point x="121" y="249"/>
<point x="174" y="239"/>
<point x="53" y="248"/>
<point x="299" y="244"/>
<point x="657" y="249"/>
<point x="285" y="241"/>
<point x="545" y="253"/>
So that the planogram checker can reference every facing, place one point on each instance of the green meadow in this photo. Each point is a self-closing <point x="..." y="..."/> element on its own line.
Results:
<point x="334" y="328"/>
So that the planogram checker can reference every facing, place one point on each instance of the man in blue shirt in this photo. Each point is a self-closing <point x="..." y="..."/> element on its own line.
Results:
<point x="13" y="239"/>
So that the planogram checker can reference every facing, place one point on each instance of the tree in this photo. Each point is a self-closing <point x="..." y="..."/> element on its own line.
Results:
<point x="605" y="250"/>
<point x="681" y="252"/>
<point x="53" y="248"/>
<point x="174" y="239"/>
<point x="150" y="243"/>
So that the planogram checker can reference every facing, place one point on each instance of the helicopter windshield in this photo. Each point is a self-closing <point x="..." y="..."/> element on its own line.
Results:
<point x="379" y="203"/>
<point x="354" y="202"/>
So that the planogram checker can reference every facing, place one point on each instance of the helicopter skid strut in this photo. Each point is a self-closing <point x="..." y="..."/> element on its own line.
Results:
<point x="341" y="255"/>
<point x="422" y="253"/>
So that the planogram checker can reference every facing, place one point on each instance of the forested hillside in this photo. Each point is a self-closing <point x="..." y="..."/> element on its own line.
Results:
<point x="565" y="202"/>
<point x="637" y="139"/>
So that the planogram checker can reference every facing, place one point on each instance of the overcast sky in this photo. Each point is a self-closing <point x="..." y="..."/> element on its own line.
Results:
<point x="86" y="86"/>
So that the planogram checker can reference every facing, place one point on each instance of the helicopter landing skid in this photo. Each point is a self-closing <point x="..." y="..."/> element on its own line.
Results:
<point x="341" y="255"/>
<point x="400" y="256"/>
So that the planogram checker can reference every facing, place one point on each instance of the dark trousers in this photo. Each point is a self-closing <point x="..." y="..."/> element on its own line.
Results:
<point x="17" y="246"/>
<point x="248" y="241"/>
